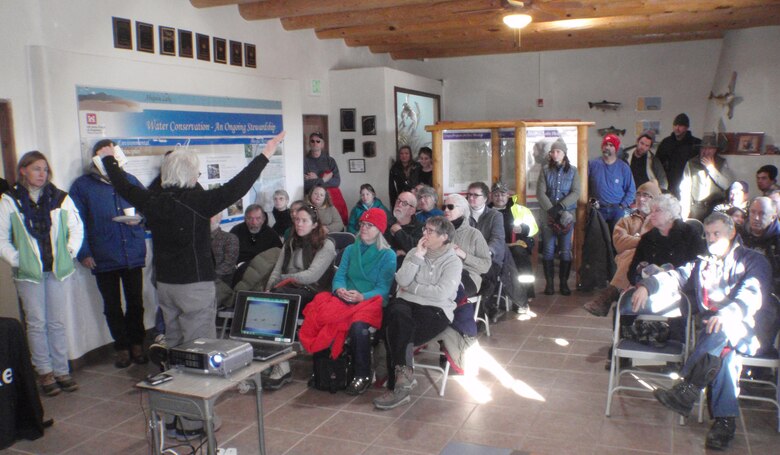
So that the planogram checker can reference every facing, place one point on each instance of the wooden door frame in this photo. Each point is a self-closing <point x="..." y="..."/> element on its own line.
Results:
<point x="7" y="142"/>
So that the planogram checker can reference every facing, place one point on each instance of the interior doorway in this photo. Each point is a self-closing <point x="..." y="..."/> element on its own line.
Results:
<point x="9" y="304"/>
<point x="314" y="124"/>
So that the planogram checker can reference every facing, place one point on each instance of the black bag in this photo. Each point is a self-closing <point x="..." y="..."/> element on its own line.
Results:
<point x="651" y="333"/>
<point x="330" y="374"/>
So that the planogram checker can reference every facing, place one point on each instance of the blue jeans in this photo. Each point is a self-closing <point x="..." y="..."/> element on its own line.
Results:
<point x="360" y="338"/>
<point x="44" y="311"/>
<point x="611" y="215"/>
<point x="724" y="388"/>
<point x="552" y="240"/>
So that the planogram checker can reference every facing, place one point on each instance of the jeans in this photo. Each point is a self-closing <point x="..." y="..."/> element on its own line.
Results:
<point x="190" y="311"/>
<point x="611" y="215"/>
<point x="360" y="341"/>
<point x="410" y="324"/>
<point x="126" y="328"/>
<point x="44" y="311"/>
<point x="552" y="240"/>
<point x="724" y="389"/>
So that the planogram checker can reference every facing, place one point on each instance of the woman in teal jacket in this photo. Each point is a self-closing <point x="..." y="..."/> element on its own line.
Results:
<point x="368" y="200"/>
<point x="40" y="235"/>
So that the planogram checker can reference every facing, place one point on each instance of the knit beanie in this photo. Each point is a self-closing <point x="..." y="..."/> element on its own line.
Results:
<point x="377" y="217"/>
<point x="559" y="145"/>
<point x="682" y="120"/>
<point x="650" y="188"/>
<point x="611" y="139"/>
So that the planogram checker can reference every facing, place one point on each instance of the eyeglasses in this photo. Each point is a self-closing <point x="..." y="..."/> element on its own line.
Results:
<point x="473" y="195"/>
<point x="315" y="141"/>
<point x="427" y="230"/>
<point x="403" y="203"/>
<point x="365" y="225"/>
<point x="449" y="207"/>
<point x="644" y="195"/>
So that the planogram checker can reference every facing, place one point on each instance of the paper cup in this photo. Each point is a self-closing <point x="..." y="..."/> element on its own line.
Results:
<point x="130" y="211"/>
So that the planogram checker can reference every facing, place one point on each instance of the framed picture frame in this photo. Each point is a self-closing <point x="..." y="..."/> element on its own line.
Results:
<point x="185" y="44"/>
<point x="369" y="149"/>
<point x="144" y="35"/>
<point x="220" y="50"/>
<point x="368" y="124"/>
<point x="347" y="146"/>
<point x="357" y="166"/>
<point x="167" y="37"/>
<point x="250" y="55"/>
<point x="204" y="47"/>
<point x="236" y="53"/>
<point x="123" y="33"/>
<point x="347" y="117"/>
<point x="749" y="143"/>
<point x="413" y="111"/>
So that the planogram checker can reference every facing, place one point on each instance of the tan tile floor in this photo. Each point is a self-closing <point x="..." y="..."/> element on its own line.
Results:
<point x="556" y="406"/>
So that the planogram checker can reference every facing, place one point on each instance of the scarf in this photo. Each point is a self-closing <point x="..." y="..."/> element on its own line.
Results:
<point x="458" y="222"/>
<point x="37" y="217"/>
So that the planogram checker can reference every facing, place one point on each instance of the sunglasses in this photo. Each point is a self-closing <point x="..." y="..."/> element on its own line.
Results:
<point x="315" y="141"/>
<point x="449" y="207"/>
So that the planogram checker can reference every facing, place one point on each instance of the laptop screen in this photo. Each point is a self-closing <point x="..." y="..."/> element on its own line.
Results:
<point x="264" y="316"/>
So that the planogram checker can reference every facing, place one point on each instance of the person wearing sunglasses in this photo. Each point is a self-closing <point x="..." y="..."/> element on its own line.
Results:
<point x="319" y="168"/>
<point x="468" y="243"/>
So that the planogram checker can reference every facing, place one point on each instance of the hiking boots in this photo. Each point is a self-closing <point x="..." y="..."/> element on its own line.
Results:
<point x="601" y="304"/>
<point x="279" y="376"/>
<point x="721" y="433"/>
<point x="158" y="352"/>
<point x="679" y="398"/>
<point x="49" y="385"/>
<point x="138" y="355"/>
<point x="122" y="359"/>
<point x="66" y="383"/>
<point x="401" y="393"/>
<point x="358" y="386"/>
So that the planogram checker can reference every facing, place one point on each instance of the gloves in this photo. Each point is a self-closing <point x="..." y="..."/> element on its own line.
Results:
<point x="553" y="211"/>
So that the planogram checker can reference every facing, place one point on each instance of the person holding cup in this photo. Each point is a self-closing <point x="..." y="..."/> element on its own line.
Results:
<point x="114" y="249"/>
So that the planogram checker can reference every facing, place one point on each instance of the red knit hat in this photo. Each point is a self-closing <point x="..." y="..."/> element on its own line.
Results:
<point x="377" y="217"/>
<point x="611" y="139"/>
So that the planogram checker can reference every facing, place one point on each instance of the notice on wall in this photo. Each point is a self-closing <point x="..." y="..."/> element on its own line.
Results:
<point x="225" y="133"/>
<point x="466" y="159"/>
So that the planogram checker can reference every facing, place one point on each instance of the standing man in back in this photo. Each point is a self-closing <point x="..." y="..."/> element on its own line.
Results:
<point x="675" y="151"/>
<point x="610" y="182"/>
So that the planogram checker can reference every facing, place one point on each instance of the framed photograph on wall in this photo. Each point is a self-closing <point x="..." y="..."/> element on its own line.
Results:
<point x="369" y="125"/>
<point x="347" y="146"/>
<point x="123" y="33"/>
<point x="220" y="50"/>
<point x="167" y="40"/>
<point x="369" y="149"/>
<point x="347" y="117"/>
<point x="236" y="53"/>
<point x="204" y="47"/>
<point x="144" y="34"/>
<point x="250" y="55"/>
<point x="413" y="111"/>
<point x="185" y="44"/>
<point x="357" y="166"/>
<point x="749" y="143"/>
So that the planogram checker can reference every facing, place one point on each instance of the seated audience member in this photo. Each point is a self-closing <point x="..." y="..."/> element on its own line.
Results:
<point x="406" y="231"/>
<point x="302" y="268"/>
<point x="738" y="215"/>
<point x="736" y="196"/>
<point x="762" y="234"/>
<point x="774" y="195"/>
<point x="329" y="217"/>
<point x="294" y="207"/>
<point x="281" y="214"/>
<point x="728" y="287"/>
<point x="766" y="179"/>
<point x="254" y="236"/>
<point x="468" y="243"/>
<point x="520" y="224"/>
<point x="424" y="306"/>
<point x="368" y="200"/>
<point x="360" y="290"/>
<point x="224" y="250"/>
<point x="643" y="163"/>
<point x="670" y="241"/>
<point x="404" y="173"/>
<point x="427" y="199"/>
<point x="425" y="160"/>
<point x="625" y="238"/>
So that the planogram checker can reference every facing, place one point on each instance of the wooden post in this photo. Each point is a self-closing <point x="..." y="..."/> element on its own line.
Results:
<point x="582" y="203"/>
<point x="520" y="165"/>
<point x="438" y="136"/>
<point x="495" y="156"/>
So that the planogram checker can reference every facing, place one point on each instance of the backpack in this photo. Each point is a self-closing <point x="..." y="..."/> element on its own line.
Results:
<point x="331" y="374"/>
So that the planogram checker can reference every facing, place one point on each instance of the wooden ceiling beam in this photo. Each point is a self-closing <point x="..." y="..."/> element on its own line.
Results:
<point x="428" y="12"/>
<point x="725" y="19"/>
<point x="492" y="48"/>
<point x="272" y="9"/>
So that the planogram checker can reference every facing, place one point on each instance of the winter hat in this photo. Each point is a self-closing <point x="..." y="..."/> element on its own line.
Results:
<point x="500" y="187"/>
<point x="650" y="188"/>
<point x="682" y="120"/>
<point x="377" y="217"/>
<point x="560" y="145"/>
<point x="611" y="139"/>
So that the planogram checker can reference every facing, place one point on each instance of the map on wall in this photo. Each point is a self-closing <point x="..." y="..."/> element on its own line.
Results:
<point x="226" y="133"/>
<point x="465" y="159"/>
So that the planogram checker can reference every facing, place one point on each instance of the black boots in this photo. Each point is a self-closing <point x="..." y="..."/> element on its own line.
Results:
<point x="549" y="276"/>
<point x="721" y="433"/>
<point x="679" y="398"/>
<point x="563" y="274"/>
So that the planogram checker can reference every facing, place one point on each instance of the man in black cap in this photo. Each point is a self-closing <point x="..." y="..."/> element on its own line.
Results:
<point x="675" y="151"/>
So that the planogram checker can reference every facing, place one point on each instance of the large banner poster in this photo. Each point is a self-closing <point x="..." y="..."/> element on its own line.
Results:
<point x="465" y="159"/>
<point x="226" y="133"/>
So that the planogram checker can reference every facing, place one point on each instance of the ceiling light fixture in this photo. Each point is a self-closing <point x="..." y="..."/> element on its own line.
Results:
<point x="517" y="21"/>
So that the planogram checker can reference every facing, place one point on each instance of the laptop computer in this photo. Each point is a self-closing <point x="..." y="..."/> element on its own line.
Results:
<point x="267" y="321"/>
